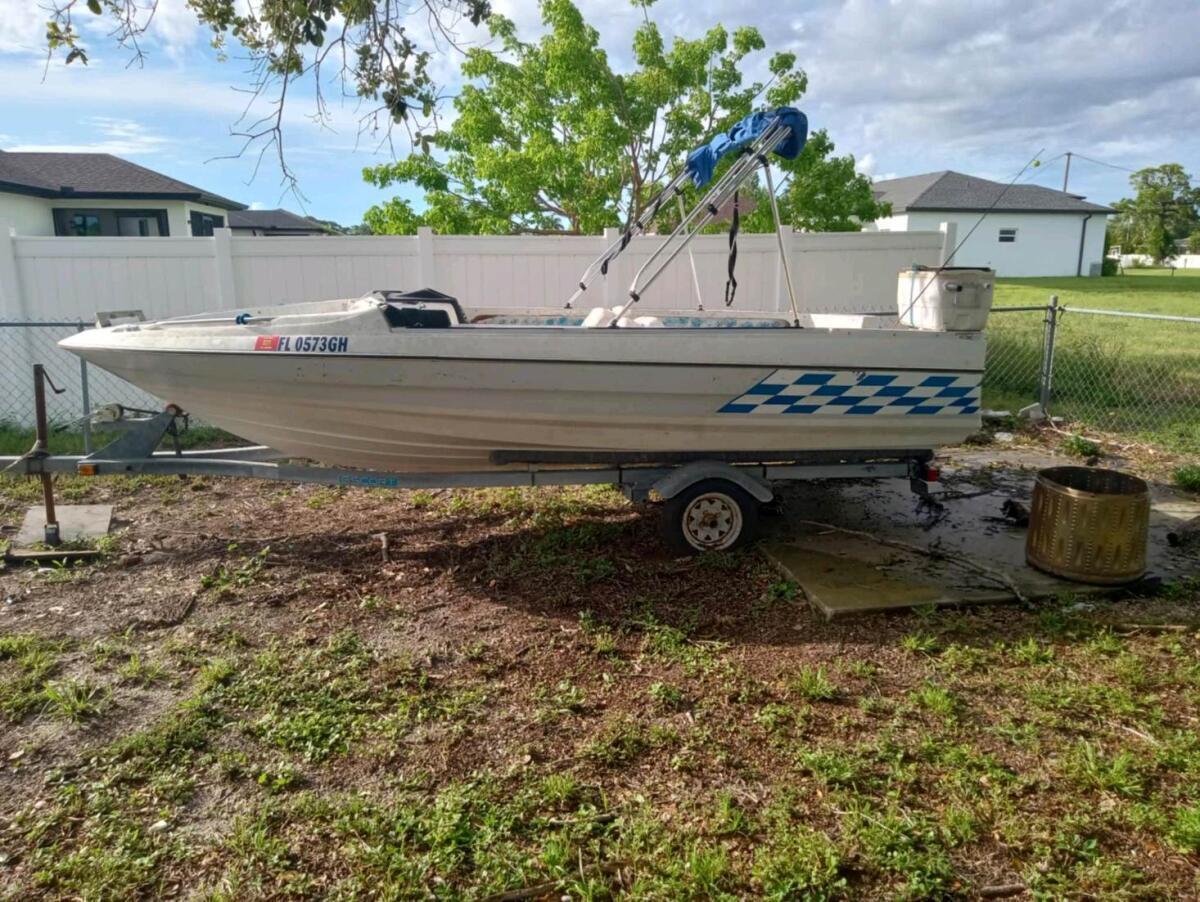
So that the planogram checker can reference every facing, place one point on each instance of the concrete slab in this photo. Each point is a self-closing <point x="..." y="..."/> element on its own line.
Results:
<point x="844" y="574"/>
<point x="76" y="522"/>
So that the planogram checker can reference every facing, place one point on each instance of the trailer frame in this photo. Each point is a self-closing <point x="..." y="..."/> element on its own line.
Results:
<point x="720" y="517"/>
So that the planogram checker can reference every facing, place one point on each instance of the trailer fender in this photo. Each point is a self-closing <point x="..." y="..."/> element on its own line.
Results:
<point x="689" y="474"/>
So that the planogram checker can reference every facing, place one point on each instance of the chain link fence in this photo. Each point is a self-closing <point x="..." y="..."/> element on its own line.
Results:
<point x="1016" y="349"/>
<point x="80" y="387"/>
<point x="1136" y="375"/>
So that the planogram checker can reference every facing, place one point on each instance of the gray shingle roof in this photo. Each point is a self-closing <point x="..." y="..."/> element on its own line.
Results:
<point x="95" y="175"/>
<point x="272" y="221"/>
<point x="948" y="190"/>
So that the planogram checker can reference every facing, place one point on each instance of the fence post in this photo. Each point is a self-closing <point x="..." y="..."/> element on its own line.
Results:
<point x="1047" y="377"/>
<point x="86" y="401"/>
<point x="612" y="286"/>
<point x="426" y="277"/>
<point x="223" y="255"/>
<point x="11" y="304"/>
<point x="949" y="232"/>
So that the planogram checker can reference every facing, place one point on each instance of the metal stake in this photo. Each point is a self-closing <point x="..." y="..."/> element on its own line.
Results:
<point x="41" y="448"/>
<point x="1047" y="376"/>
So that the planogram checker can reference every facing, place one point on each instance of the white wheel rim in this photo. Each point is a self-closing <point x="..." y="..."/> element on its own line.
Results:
<point x="712" y="522"/>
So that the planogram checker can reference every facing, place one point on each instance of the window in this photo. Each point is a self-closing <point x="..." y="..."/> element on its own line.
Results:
<point x="83" y="224"/>
<point x="136" y="223"/>
<point x="204" y="223"/>
<point x="1008" y="236"/>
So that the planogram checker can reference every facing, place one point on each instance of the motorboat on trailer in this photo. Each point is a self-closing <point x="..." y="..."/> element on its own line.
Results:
<point x="421" y="382"/>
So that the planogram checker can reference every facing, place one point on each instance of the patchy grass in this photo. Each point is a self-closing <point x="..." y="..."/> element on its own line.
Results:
<point x="484" y="713"/>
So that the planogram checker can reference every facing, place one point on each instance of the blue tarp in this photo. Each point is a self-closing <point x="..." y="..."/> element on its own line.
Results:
<point x="703" y="160"/>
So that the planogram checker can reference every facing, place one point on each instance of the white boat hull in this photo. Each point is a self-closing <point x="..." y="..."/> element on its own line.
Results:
<point x="444" y="400"/>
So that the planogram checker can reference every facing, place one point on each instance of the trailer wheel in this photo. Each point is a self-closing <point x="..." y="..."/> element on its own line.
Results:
<point x="712" y="515"/>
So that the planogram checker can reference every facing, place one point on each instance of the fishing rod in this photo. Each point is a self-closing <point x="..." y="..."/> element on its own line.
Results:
<point x="978" y="223"/>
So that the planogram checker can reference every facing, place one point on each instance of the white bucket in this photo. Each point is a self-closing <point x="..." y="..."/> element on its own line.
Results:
<point x="954" y="299"/>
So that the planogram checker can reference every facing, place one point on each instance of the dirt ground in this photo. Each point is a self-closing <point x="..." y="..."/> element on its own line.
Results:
<point x="530" y="699"/>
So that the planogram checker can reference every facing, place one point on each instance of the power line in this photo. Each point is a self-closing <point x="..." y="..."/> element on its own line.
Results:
<point x="1102" y="163"/>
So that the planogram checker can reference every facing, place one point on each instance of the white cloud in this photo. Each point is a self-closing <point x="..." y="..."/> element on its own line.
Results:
<point x="257" y="205"/>
<point x="122" y="137"/>
<point x="22" y="27"/>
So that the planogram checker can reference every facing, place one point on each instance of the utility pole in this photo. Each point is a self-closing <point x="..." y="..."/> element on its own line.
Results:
<point x="1067" y="174"/>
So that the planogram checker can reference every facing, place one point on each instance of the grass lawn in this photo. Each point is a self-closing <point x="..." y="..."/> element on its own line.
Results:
<point x="1140" y="378"/>
<point x="242" y="700"/>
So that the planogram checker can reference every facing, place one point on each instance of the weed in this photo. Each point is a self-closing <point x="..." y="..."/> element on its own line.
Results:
<point x="617" y="743"/>
<point x="730" y="817"/>
<point x="371" y="603"/>
<point x="561" y="790"/>
<point x="1092" y="769"/>
<point x="278" y="778"/>
<point x="36" y="660"/>
<point x="226" y="580"/>
<point x="1031" y="651"/>
<point x="832" y="767"/>
<point x="565" y="698"/>
<point x="799" y="863"/>
<point x="863" y="669"/>
<point x="813" y="684"/>
<point x="937" y="700"/>
<point x="1078" y="446"/>
<point x="74" y="700"/>
<point x="920" y="644"/>
<point x="667" y="696"/>
<point x="420" y="500"/>
<point x="1184" y="834"/>
<point x="1187" y="477"/>
<point x="324" y="497"/>
<point x="141" y="671"/>
<point x="774" y="716"/>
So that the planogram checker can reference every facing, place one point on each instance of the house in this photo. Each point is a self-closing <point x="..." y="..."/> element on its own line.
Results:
<point x="1029" y="230"/>
<point x="84" y="194"/>
<point x="273" y="222"/>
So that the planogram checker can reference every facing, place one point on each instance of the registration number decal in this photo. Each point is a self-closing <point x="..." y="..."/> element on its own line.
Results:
<point x="303" y="344"/>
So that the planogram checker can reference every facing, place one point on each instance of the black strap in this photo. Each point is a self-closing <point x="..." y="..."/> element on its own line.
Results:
<point x="731" y="283"/>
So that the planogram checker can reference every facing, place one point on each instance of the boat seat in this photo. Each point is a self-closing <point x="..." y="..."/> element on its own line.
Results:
<point x="598" y="318"/>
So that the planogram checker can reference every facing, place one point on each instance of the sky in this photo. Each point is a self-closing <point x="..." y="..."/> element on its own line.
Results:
<point x="906" y="86"/>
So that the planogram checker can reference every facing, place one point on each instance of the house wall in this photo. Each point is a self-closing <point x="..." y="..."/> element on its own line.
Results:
<point x="897" y="223"/>
<point x="1047" y="243"/>
<point x="33" y="216"/>
<point x="25" y="215"/>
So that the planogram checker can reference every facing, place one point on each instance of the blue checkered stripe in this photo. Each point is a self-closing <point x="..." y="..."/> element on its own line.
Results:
<point x="842" y="393"/>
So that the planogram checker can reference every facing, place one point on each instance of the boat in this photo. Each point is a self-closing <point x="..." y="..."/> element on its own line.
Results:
<point x="417" y="381"/>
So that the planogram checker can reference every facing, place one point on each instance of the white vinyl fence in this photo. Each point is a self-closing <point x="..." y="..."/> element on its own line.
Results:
<point x="72" y="278"/>
<point x="67" y="280"/>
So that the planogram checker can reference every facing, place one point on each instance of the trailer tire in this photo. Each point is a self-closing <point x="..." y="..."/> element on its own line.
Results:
<point x="711" y="515"/>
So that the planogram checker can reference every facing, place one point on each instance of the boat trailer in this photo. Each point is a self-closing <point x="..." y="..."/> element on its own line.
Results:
<point x="711" y="499"/>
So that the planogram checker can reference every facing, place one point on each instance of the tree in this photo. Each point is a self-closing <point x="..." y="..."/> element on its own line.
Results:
<point x="548" y="138"/>
<point x="369" y="44"/>
<point x="1164" y="209"/>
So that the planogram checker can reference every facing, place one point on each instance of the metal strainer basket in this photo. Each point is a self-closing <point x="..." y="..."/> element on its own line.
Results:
<point x="1089" y="525"/>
